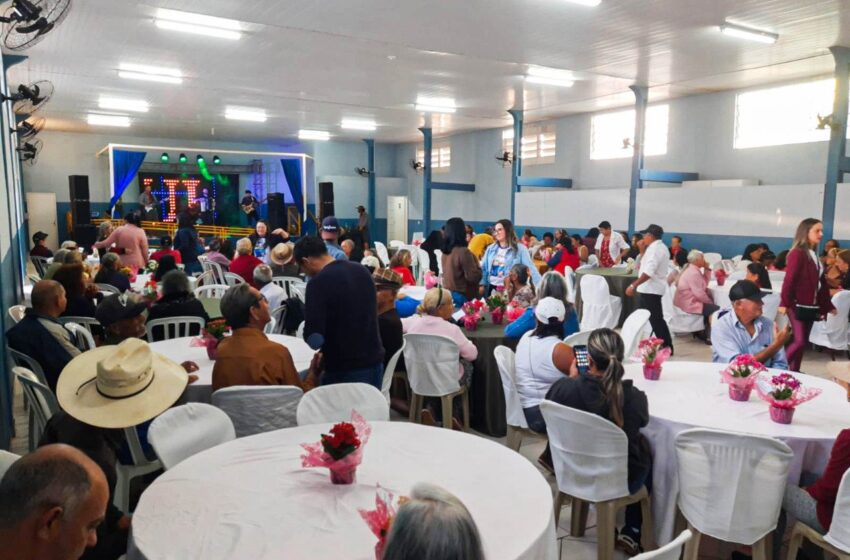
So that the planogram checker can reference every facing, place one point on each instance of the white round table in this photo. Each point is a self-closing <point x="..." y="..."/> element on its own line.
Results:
<point x="690" y="395"/>
<point x="250" y="498"/>
<point x="179" y="350"/>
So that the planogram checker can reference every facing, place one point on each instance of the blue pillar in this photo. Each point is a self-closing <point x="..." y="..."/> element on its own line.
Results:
<point x="370" y="197"/>
<point x="637" y="159"/>
<point x="837" y="164"/>
<point x="516" y="164"/>
<point x="426" y="181"/>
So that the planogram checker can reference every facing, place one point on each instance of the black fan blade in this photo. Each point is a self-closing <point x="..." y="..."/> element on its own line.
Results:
<point x="40" y="25"/>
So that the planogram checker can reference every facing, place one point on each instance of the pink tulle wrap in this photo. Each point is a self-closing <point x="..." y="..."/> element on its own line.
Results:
<point x="646" y="348"/>
<point x="801" y="395"/>
<point x="431" y="281"/>
<point x="316" y="456"/>
<point x="379" y="519"/>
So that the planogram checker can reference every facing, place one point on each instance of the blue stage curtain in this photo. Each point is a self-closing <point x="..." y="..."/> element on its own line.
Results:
<point x="125" y="165"/>
<point x="292" y="172"/>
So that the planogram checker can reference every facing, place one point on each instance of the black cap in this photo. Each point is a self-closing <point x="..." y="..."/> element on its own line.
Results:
<point x="38" y="236"/>
<point x="361" y="208"/>
<point x="118" y="307"/>
<point x="604" y="224"/>
<point x="745" y="289"/>
<point x="165" y="241"/>
<point x="654" y="230"/>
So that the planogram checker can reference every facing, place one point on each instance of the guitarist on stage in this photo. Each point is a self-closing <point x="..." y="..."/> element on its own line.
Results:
<point x="150" y="205"/>
<point x="250" y="205"/>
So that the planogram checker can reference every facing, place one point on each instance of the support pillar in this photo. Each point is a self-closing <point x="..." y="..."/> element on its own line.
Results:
<point x="637" y="158"/>
<point x="426" y="181"/>
<point x="370" y="197"/>
<point x="837" y="162"/>
<point x="516" y="164"/>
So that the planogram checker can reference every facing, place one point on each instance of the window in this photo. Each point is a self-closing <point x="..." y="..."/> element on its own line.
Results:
<point x="609" y="133"/>
<point x="538" y="144"/>
<point x="783" y="115"/>
<point x="441" y="157"/>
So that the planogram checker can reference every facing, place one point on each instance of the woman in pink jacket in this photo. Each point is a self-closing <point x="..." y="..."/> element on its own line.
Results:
<point x="692" y="295"/>
<point x="130" y="241"/>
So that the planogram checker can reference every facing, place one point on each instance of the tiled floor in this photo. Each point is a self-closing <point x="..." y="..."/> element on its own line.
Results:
<point x="583" y="548"/>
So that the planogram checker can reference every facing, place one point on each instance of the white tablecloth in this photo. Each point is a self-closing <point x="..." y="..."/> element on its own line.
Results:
<point x="690" y="395"/>
<point x="720" y="294"/>
<point x="251" y="499"/>
<point x="142" y="279"/>
<point x="415" y="292"/>
<point x="178" y="349"/>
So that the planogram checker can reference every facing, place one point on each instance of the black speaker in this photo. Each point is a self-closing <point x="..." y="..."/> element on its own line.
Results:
<point x="326" y="200"/>
<point x="85" y="235"/>
<point x="277" y="211"/>
<point x="78" y="190"/>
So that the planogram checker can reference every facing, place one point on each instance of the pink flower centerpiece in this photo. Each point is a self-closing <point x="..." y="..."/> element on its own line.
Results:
<point x="341" y="451"/>
<point x="784" y="393"/>
<point x="211" y="337"/>
<point x="514" y="311"/>
<point x="496" y="304"/>
<point x="653" y="354"/>
<point x="472" y="314"/>
<point x="741" y="375"/>
<point x="381" y="518"/>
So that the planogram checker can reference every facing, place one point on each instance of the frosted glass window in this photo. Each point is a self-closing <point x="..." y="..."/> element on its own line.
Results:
<point x="538" y="144"/>
<point x="441" y="157"/>
<point x="612" y="134"/>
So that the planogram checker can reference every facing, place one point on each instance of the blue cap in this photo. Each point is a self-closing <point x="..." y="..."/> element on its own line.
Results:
<point x="330" y="224"/>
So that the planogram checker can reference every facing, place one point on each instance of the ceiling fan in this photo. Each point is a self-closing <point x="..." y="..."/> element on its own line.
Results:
<point x="417" y="166"/>
<point x="28" y="21"/>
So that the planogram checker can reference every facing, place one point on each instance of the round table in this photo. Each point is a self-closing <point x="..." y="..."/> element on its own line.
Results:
<point x="179" y="350"/>
<point x="618" y="280"/>
<point x="250" y="498"/>
<point x="486" y="394"/>
<point x="690" y="395"/>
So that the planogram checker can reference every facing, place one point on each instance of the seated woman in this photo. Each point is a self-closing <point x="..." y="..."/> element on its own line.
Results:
<point x="528" y="239"/>
<point x="177" y="301"/>
<point x="519" y="288"/>
<point x="680" y="261"/>
<point x="545" y="250"/>
<point x="602" y="391"/>
<point x="551" y="285"/>
<point x="753" y="252"/>
<point x="166" y="265"/>
<point x="768" y="259"/>
<point x="79" y="292"/>
<point x="832" y="274"/>
<point x="109" y="273"/>
<point x="842" y="262"/>
<point x="581" y="248"/>
<point x="567" y="255"/>
<point x="756" y="272"/>
<point x="542" y="360"/>
<point x="216" y="254"/>
<point x="400" y="263"/>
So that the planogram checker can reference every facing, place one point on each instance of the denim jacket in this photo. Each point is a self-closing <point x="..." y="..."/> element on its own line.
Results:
<point x="515" y="256"/>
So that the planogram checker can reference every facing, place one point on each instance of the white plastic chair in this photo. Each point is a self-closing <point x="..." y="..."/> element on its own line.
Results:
<point x="771" y="305"/>
<point x="334" y="403"/>
<point x="599" y="308"/>
<point x="232" y="279"/>
<point x="777" y="277"/>
<point x="517" y="424"/>
<point x="712" y="258"/>
<point x="570" y="277"/>
<point x="439" y="255"/>
<point x="107" y="288"/>
<point x="16" y="312"/>
<point x="23" y="360"/>
<point x="82" y="338"/>
<point x="741" y="266"/>
<point x="41" y="265"/>
<point x="396" y="244"/>
<point x="731" y="487"/>
<point x="6" y="460"/>
<point x="88" y="323"/>
<point x="579" y="338"/>
<point x="833" y="332"/>
<point x="728" y="266"/>
<point x="215" y="269"/>
<point x="183" y="431"/>
<point x="590" y="456"/>
<point x="432" y="363"/>
<point x="424" y="264"/>
<point x="383" y="254"/>
<point x="670" y="551"/>
<point x="254" y="410"/>
<point x="207" y="278"/>
<point x="837" y="539"/>
<point x="173" y="327"/>
<point x="212" y="291"/>
<point x="634" y="327"/>
<point x="389" y="371"/>
<point x="141" y="466"/>
<point x="41" y="401"/>
<point x="278" y="316"/>
<point x="289" y="284"/>
<point x="270" y="326"/>
<point x="679" y="321"/>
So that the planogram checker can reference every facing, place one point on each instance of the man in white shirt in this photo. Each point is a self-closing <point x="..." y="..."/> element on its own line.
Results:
<point x="273" y="293"/>
<point x="611" y="248"/>
<point x="652" y="283"/>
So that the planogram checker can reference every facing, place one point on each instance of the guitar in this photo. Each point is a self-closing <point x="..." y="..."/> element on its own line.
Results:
<point x="249" y="208"/>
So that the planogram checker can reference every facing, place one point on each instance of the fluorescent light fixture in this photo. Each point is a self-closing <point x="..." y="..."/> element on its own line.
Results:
<point x="245" y="114"/>
<point x="358" y="124"/>
<point x="108" y="120"/>
<point x="435" y="105"/>
<point x="137" y="105"/>
<point x="549" y="76"/>
<point x="590" y="3"/>
<point x="313" y="135"/>
<point x="198" y="24"/>
<point x="150" y="73"/>
<point x="743" y="32"/>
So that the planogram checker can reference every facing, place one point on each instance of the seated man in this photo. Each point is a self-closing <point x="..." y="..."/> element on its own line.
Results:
<point x="166" y="248"/>
<point x="248" y="357"/>
<point x="40" y="335"/>
<point x="387" y="284"/>
<point x="39" y="249"/>
<point x="122" y="316"/>
<point x="245" y="263"/>
<point x="743" y="330"/>
<point x="274" y="294"/>
<point x="51" y="503"/>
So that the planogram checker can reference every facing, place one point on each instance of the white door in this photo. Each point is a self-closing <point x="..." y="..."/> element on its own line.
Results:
<point x="397" y="218"/>
<point x="41" y="216"/>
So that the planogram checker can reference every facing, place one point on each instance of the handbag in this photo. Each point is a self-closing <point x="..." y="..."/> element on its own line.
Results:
<point x="808" y="313"/>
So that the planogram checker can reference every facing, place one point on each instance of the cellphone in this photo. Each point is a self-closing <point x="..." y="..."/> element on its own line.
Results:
<point x="582" y="359"/>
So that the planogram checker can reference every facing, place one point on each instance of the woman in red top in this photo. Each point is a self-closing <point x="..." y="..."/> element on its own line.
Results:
<point x="400" y="263"/>
<point x="245" y="263"/>
<point x="804" y="284"/>
<point x="567" y="256"/>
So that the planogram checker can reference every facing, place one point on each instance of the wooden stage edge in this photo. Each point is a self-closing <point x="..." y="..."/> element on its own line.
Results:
<point x="170" y="228"/>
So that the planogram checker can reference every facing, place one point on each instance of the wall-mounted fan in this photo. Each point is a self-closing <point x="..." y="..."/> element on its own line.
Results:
<point x="29" y="128"/>
<point x="506" y="158"/>
<point x="627" y="143"/>
<point x="28" y="21"/>
<point x="30" y="98"/>
<point x="29" y="151"/>
<point x="417" y="166"/>
<point x="362" y="171"/>
<point x="825" y="122"/>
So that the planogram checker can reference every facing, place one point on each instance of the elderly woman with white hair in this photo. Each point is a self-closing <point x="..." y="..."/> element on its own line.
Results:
<point x="692" y="295"/>
<point x="245" y="263"/>
<point x="551" y="285"/>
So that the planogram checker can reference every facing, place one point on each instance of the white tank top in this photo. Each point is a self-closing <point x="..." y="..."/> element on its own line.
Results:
<point x="535" y="370"/>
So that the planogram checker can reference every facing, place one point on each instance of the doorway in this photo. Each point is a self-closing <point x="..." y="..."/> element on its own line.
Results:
<point x="41" y="216"/>
<point x="397" y="218"/>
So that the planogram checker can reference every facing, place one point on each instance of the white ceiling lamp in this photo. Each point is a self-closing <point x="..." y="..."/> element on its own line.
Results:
<point x="114" y="103"/>
<point x="108" y="120"/>
<point x="589" y="3"/>
<point x="435" y="105"/>
<point x="245" y="114"/>
<point x="198" y="24"/>
<point x="358" y="124"/>
<point x="549" y="76"/>
<point x="743" y="32"/>
<point x="150" y="73"/>
<point x="304" y="134"/>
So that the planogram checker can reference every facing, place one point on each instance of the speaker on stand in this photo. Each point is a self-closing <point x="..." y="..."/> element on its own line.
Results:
<point x="277" y="211"/>
<point x="326" y="200"/>
<point x="78" y="191"/>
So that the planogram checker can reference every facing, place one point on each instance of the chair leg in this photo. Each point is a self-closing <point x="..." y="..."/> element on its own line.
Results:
<point x="605" y="528"/>
<point x="559" y="504"/>
<point x="447" y="411"/>
<point x="795" y="543"/>
<point x="762" y="549"/>
<point x="647" y="530"/>
<point x="121" y="498"/>
<point x="578" y="521"/>
<point x="692" y="546"/>
<point x="465" y="403"/>
<point x="414" y="409"/>
<point x="514" y="438"/>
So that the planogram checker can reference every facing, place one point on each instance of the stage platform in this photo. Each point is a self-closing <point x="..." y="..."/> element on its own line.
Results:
<point x="170" y="228"/>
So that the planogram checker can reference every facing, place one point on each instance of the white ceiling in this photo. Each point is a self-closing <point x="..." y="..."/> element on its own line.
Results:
<point x="310" y="63"/>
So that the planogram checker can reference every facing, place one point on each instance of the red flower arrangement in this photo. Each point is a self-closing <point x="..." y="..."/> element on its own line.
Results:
<point x="472" y="314"/>
<point x="211" y="336"/>
<point x="380" y="520"/>
<point x="340" y="451"/>
<point x="720" y="275"/>
<point x="653" y="355"/>
<point x="341" y="441"/>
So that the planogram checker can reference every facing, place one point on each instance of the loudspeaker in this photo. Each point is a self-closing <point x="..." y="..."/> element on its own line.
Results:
<point x="78" y="189"/>
<point x="85" y="235"/>
<point x="326" y="200"/>
<point x="277" y="211"/>
<point x="80" y="212"/>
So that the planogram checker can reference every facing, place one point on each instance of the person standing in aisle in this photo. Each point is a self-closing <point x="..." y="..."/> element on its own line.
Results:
<point x="652" y="282"/>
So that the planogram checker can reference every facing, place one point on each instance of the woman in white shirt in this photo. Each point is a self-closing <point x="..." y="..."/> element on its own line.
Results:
<point x="611" y="248"/>
<point x="542" y="359"/>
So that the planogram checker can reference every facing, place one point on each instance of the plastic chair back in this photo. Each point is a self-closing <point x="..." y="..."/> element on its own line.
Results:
<point x="633" y="330"/>
<point x="16" y="312"/>
<point x="439" y="255"/>
<point x="183" y="431"/>
<point x="506" y="360"/>
<point x="212" y="291"/>
<point x="173" y="327"/>
<point x="82" y="338"/>
<point x="6" y="460"/>
<point x="387" y="382"/>
<point x="731" y="485"/>
<point x="107" y="288"/>
<point x="22" y="360"/>
<point x="41" y="399"/>
<point x="334" y="403"/>
<point x="254" y="410"/>
<point x="215" y="270"/>
<point x="207" y="279"/>
<point x="270" y="326"/>
<point x="278" y="316"/>
<point x="432" y="364"/>
<point x="88" y="323"/>
<point x="395" y="243"/>
<point x="289" y="284"/>
<point x="833" y="332"/>
<point x="597" y="310"/>
<point x="771" y="305"/>
<point x="712" y="258"/>
<point x="383" y="254"/>
<point x="590" y="454"/>
<point x="670" y="551"/>
<point x="578" y="338"/>
<point x="299" y="332"/>
<point x="839" y="530"/>
<point x="232" y="279"/>
<point x="41" y="265"/>
<point x="570" y="277"/>
<point x="593" y="261"/>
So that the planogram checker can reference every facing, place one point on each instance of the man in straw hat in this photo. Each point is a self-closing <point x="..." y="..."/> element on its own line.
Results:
<point x="281" y="261"/>
<point x="840" y="373"/>
<point x="387" y="284"/>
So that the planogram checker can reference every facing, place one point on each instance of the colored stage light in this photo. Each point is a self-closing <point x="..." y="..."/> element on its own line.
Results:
<point x="183" y="158"/>
<point x="164" y="157"/>
<point x="200" y="158"/>
<point x="216" y="160"/>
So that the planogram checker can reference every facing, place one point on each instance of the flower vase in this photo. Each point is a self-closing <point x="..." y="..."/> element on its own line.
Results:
<point x="498" y="315"/>
<point x="470" y="323"/>
<point x="344" y="476"/>
<point x="740" y="392"/>
<point x="212" y="349"/>
<point x="651" y="372"/>
<point x="781" y="415"/>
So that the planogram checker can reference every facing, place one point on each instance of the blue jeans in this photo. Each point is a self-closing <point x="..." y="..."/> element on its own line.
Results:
<point x="372" y="375"/>
<point x="458" y="299"/>
<point x="634" y="518"/>
<point x="535" y="420"/>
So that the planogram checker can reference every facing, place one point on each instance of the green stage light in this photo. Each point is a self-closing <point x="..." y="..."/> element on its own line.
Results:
<point x="164" y="157"/>
<point x="216" y="160"/>
<point x="199" y="158"/>
<point x="183" y="158"/>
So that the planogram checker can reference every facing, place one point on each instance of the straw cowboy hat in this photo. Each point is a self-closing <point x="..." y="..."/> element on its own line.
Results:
<point x="282" y="254"/>
<point x="120" y="386"/>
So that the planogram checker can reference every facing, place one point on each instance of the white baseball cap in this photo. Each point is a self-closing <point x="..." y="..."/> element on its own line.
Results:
<point x="550" y="308"/>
